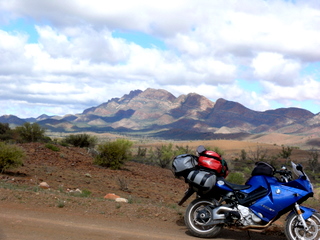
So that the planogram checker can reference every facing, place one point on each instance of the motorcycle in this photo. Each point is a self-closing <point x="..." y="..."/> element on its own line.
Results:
<point x="254" y="206"/>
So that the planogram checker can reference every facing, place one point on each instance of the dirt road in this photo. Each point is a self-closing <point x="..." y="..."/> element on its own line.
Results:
<point x="20" y="222"/>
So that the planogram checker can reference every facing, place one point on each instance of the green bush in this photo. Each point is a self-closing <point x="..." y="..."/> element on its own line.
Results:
<point x="10" y="156"/>
<point x="113" y="154"/>
<point x="31" y="132"/>
<point x="6" y="133"/>
<point x="52" y="147"/>
<point x="80" y="140"/>
<point x="183" y="150"/>
<point x="236" y="178"/>
<point x="162" y="156"/>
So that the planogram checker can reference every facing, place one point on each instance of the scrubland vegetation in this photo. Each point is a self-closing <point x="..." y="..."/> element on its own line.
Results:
<point x="114" y="153"/>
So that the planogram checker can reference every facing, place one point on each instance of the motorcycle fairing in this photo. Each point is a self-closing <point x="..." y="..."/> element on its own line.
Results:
<point x="267" y="196"/>
<point x="279" y="197"/>
<point x="306" y="212"/>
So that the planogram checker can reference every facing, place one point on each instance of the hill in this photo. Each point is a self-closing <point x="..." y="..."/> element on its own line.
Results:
<point x="153" y="192"/>
<point x="158" y="113"/>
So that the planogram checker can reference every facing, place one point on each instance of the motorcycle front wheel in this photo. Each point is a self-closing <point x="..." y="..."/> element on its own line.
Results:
<point x="295" y="230"/>
<point x="197" y="215"/>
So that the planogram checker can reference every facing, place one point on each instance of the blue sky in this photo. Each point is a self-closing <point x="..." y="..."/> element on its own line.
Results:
<point x="62" y="57"/>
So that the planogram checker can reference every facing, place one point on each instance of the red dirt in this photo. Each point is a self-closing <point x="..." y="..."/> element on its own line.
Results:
<point x="29" y="212"/>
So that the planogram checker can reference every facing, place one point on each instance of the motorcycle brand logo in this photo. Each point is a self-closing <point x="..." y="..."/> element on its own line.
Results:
<point x="278" y="191"/>
<point x="266" y="207"/>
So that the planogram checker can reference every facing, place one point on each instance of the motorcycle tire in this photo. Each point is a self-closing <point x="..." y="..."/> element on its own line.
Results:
<point x="294" y="228"/>
<point x="197" y="216"/>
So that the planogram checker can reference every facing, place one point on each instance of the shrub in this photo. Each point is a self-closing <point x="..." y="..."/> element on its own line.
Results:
<point x="6" y="133"/>
<point x="243" y="155"/>
<point x="163" y="155"/>
<point x="52" y="147"/>
<point x="182" y="150"/>
<point x="10" y="156"/>
<point x="236" y="177"/>
<point x="142" y="153"/>
<point x="80" y="140"/>
<point x="123" y="184"/>
<point x="4" y="127"/>
<point x="113" y="154"/>
<point x="31" y="132"/>
<point x="218" y="150"/>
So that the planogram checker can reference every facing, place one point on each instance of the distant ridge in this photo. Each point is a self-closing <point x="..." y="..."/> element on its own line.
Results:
<point x="158" y="113"/>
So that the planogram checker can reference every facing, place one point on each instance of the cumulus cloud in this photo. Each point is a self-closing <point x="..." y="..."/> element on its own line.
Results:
<point x="274" y="68"/>
<point x="306" y="89"/>
<point x="77" y="62"/>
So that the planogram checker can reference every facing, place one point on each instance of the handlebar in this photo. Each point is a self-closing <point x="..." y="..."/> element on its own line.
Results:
<point x="286" y="175"/>
<point x="283" y="172"/>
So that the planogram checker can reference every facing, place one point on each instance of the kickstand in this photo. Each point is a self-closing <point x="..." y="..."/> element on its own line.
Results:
<point x="248" y="232"/>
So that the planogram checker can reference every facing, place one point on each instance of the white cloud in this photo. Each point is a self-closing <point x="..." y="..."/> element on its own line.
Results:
<point x="210" y="45"/>
<point x="274" y="68"/>
<point x="12" y="59"/>
<point x="307" y="89"/>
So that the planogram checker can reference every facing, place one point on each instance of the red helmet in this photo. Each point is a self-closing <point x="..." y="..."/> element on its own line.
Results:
<point x="211" y="160"/>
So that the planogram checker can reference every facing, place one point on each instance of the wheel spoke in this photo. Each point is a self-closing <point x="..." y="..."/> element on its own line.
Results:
<point x="198" y="215"/>
<point x="295" y="230"/>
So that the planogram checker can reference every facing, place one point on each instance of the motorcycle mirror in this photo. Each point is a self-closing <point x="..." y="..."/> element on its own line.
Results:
<point x="201" y="149"/>
<point x="299" y="167"/>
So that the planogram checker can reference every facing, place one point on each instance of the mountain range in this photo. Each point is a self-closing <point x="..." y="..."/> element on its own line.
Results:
<point x="158" y="113"/>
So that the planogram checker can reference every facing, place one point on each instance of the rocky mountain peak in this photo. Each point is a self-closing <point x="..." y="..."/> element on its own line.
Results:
<point x="157" y="94"/>
<point x="158" y="112"/>
<point x="128" y="97"/>
<point x="230" y="106"/>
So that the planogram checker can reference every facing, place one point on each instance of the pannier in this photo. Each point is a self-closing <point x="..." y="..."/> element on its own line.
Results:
<point x="263" y="168"/>
<point x="213" y="161"/>
<point x="201" y="181"/>
<point x="183" y="164"/>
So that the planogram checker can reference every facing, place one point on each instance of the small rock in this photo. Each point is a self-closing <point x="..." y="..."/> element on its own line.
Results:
<point x="121" y="200"/>
<point x="44" y="185"/>
<point x="111" y="196"/>
<point x="78" y="190"/>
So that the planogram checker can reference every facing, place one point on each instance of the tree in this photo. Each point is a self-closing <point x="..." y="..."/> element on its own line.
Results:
<point x="313" y="160"/>
<point x="31" y="132"/>
<point x="4" y="127"/>
<point x="6" y="132"/>
<point x="286" y="153"/>
<point x="260" y="154"/>
<point x="243" y="155"/>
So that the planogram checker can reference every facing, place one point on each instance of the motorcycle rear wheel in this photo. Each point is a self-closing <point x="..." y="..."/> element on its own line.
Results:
<point x="294" y="228"/>
<point x="197" y="216"/>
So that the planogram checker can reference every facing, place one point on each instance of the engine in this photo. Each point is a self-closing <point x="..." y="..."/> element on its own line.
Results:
<point x="248" y="217"/>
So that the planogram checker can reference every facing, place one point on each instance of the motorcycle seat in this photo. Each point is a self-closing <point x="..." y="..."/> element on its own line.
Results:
<point x="237" y="186"/>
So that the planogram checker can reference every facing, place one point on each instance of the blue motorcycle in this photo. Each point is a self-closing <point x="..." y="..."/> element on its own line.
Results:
<point x="254" y="206"/>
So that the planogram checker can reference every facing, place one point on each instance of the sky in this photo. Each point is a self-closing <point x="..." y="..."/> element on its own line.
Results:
<point x="61" y="57"/>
